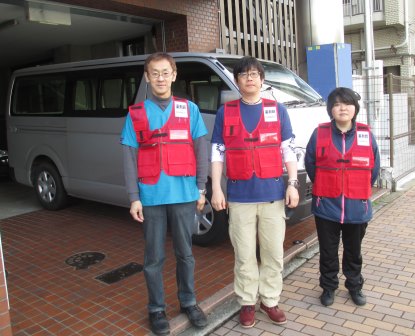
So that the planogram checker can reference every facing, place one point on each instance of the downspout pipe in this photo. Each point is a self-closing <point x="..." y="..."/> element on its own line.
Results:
<point x="405" y="41"/>
<point x="369" y="59"/>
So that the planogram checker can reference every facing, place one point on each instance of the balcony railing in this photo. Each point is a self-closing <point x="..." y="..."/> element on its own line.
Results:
<point x="356" y="7"/>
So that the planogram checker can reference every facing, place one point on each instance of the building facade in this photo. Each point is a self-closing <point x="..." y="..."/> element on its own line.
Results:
<point x="393" y="34"/>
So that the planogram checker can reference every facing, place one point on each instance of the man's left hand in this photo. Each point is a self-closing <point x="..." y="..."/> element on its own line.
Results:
<point x="291" y="197"/>
<point x="200" y="203"/>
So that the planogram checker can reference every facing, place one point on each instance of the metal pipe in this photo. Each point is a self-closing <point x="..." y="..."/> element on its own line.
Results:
<point x="391" y="132"/>
<point x="369" y="58"/>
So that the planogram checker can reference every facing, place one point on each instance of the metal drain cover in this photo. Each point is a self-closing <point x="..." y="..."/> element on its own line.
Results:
<point x="85" y="259"/>
<point x="120" y="273"/>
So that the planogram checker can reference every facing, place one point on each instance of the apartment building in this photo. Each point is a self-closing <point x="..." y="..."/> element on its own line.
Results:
<point x="393" y="34"/>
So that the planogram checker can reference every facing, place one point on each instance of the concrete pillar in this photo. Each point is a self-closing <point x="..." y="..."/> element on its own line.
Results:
<point x="318" y="22"/>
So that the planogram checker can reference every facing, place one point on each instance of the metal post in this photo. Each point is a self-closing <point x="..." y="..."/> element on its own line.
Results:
<point x="369" y="58"/>
<point x="391" y="131"/>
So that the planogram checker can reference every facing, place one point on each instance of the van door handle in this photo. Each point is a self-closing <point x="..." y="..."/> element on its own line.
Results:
<point x="13" y="129"/>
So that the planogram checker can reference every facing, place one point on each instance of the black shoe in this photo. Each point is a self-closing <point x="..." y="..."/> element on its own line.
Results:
<point x="358" y="297"/>
<point x="327" y="298"/>
<point x="158" y="323"/>
<point x="196" y="316"/>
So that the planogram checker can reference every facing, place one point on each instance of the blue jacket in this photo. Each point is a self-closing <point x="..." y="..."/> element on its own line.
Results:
<point x="354" y="211"/>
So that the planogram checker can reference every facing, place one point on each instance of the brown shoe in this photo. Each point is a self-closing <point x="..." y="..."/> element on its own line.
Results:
<point x="247" y="316"/>
<point x="275" y="314"/>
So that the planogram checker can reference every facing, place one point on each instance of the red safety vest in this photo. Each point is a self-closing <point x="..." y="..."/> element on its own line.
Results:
<point x="258" y="152"/>
<point x="348" y="173"/>
<point x="169" y="148"/>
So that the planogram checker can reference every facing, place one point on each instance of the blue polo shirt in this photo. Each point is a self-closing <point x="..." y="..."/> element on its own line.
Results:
<point x="168" y="189"/>
<point x="254" y="190"/>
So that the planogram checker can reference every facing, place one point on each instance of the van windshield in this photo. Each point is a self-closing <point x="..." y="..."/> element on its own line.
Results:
<point x="282" y="84"/>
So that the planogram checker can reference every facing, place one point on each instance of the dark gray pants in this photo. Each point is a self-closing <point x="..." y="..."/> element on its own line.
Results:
<point x="180" y="218"/>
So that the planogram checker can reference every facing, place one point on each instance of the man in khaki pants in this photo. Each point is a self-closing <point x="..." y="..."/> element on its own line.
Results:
<point x="257" y="137"/>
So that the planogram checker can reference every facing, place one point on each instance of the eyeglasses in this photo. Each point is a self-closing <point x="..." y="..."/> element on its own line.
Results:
<point x="252" y="74"/>
<point x="164" y="74"/>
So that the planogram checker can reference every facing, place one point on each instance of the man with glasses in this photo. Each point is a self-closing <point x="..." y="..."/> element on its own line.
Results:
<point x="257" y="137"/>
<point x="165" y="168"/>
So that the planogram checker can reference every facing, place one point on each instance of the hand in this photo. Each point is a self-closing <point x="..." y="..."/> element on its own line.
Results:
<point x="136" y="211"/>
<point x="200" y="203"/>
<point x="218" y="200"/>
<point x="291" y="197"/>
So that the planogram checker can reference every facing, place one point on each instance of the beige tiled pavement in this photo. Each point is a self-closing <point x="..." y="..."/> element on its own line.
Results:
<point x="389" y="270"/>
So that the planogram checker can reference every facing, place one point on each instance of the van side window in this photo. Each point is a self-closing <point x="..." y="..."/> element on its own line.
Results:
<point x="118" y="93"/>
<point x="85" y="95"/>
<point x="105" y="92"/>
<point x="112" y="93"/>
<point x="39" y="95"/>
<point x="199" y="83"/>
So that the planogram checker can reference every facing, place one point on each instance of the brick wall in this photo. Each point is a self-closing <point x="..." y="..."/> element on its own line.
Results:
<point x="190" y="25"/>
<point x="5" y="323"/>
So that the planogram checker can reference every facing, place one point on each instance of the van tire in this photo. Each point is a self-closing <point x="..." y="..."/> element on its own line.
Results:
<point x="212" y="225"/>
<point x="49" y="187"/>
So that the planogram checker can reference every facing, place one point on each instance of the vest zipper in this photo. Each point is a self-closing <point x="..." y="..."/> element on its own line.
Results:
<point x="342" y="200"/>
<point x="160" y="150"/>
<point x="252" y="149"/>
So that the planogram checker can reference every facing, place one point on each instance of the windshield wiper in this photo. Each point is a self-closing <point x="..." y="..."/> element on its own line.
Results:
<point x="296" y="103"/>
<point x="318" y="102"/>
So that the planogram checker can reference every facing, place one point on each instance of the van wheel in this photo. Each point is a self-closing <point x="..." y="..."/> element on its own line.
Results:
<point x="211" y="225"/>
<point x="49" y="187"/>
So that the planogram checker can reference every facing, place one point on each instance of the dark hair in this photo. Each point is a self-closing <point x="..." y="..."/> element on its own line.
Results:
<point x="247" y="63"/>
<point x="158" y="56"/>
<point x="343" y="95"/>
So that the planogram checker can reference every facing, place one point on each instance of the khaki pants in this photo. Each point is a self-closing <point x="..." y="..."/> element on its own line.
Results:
<point x="255" y="279"/>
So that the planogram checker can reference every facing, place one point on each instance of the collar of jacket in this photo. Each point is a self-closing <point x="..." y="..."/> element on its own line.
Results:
<point x="349" y="132"/>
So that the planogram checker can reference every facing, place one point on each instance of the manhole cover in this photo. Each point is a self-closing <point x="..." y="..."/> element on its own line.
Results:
<point x="85" y="259"/>
<point x="120" y="273"/>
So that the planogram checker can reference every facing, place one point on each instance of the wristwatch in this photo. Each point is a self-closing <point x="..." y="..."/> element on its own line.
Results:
<point x="202" y="191"/>
<point x="294" y="183"/>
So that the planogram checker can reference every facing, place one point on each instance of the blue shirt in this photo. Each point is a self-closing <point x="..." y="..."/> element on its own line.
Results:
<point x="254" y="190"/>
<point x="168" y="189"/>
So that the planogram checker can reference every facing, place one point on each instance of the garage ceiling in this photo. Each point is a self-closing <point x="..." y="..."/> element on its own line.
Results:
<point x="23" y="41"/>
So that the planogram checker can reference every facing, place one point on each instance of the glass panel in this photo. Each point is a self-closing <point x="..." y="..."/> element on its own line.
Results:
<point x="112" y="93"/>
<point x="85" y="95"/>
<point x="39" y="96"/>
<point x="283" y="84"/>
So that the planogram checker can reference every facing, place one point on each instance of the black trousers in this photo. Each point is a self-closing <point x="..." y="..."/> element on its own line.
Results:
<point x="329" y="234"/>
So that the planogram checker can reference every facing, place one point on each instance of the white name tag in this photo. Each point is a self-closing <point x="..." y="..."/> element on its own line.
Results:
<point x="178" y="134"/>
<point x="270" y="114"/>
<point x="363" y="138"/>
<point x="180" y="110"/>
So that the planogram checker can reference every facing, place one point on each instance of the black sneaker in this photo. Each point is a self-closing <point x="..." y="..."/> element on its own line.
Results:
<point x="196" y="316"/>
<point x="158" y="323"/>
<point x="327" y="298"/>
<point x="358" y="297"/>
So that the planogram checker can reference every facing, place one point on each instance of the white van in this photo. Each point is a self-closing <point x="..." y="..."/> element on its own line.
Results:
<point x="64" y="123"/>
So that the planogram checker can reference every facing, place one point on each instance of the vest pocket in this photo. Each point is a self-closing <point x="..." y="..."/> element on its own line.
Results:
<point x="180" y="160"/>
<point x="327" y="183"/>
<point x="238" y="166"/>
<point x="357" y="184"/>
<point x="270" y="164"/>
<point x="148" y="161"/>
